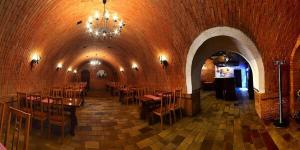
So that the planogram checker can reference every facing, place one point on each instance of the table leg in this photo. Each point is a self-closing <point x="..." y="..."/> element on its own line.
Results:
<point x="74" y="121"/>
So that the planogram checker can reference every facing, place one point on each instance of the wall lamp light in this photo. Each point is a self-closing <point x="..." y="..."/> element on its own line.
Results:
<point x="69" y="69"/>
<point x="35" y="60"/>
<point x="75" y="71"/>
<point x="121" y="69"/>
<point x="164" y="61"/>
<point x="135" y="67"/>
<point x="59" y="67"/>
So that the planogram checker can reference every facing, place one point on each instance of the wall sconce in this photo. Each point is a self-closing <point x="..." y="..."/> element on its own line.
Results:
<point x="35" y="60"/>
<point x="69" y="69"/>
<point x="59" y="67"/>
<point x="135" y="67"/>
<point x="75" y="71"/>
<point x="121" y="69"/>
<point x="163" y="60"/>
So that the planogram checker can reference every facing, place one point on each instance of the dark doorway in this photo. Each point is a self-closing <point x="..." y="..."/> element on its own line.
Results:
<point x="85" y="77"/>
<point x="238" y="78"/>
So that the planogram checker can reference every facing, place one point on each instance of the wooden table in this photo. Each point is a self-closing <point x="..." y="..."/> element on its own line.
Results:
<point x="126" y="91"/>
<point x="149" y="103"/>
<point x="71" y="104"/>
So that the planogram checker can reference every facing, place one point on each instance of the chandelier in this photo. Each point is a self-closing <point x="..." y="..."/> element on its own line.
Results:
<point x="95" y="62"/>
<point x="105" y="27"/>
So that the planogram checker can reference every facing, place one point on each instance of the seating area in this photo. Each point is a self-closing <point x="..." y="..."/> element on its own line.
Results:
<point x="53" y="106"/>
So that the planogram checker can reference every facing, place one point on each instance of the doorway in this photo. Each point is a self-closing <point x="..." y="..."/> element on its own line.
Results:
<point x="229" y="74"/>
<point x="85" y="77"/>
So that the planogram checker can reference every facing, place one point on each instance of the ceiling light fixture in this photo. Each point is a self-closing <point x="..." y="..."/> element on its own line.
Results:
<point x="95" y="62"/>
<point x="106" y="26"/>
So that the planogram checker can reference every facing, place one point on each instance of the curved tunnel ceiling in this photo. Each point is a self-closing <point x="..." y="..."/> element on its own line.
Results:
<point x="152" y="27"/>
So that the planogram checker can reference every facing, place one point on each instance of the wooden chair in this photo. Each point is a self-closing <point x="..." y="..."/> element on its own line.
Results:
<point x="45" y="92"/>
<point x="163" y="109"/>
<point x="39" y="110"/>
<point x="57" y="115"/>
<point x="19" y="117"/>
<point x="56" y="92"/>
<point x="128" y="96"/>
<point x="177" y="103"/>
<point x="24" y="104"/>
<point x="68" y="93"/>
<point x="140" y="95"/>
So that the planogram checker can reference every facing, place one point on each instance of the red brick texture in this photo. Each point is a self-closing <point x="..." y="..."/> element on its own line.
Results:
<point x="152" y="27"/>
<point x="208" y="71"/>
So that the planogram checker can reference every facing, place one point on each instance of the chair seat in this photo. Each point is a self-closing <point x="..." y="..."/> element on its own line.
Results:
<point x="160" y="111"/>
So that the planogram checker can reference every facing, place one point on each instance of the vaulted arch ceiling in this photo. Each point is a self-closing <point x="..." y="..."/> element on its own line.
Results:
<point x="152" y="27"/>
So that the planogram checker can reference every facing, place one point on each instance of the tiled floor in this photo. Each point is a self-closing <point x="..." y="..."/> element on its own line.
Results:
<point x="106" y="124"/>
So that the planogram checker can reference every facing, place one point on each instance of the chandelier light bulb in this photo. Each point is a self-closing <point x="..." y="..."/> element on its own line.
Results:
<point x="116" y="31"/>
<point x="96" y="33"/>
<point x="97" y="16"/>
<point x="90" y="20"/>
<point x="88" y="25"/>
<point x="106" y="15"/>
<point x="90" y="30"/>
<point x="115" y="17"/>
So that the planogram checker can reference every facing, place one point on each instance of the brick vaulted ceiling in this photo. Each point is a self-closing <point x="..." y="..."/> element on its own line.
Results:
<point x="49" y="28"/>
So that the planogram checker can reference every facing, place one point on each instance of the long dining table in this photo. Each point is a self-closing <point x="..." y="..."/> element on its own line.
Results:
<point x="71" y="104"/>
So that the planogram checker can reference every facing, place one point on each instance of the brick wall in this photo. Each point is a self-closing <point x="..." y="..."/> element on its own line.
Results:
<point x="95" y="82"/>
<point x="208" y="71"/>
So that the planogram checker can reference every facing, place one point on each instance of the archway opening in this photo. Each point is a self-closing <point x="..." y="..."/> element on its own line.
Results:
<point x="228" y="75"/>
<point x="85" y="77"/>
<point x="210" y="42"/>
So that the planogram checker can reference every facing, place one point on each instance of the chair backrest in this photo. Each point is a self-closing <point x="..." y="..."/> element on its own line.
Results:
<point x="68" y="93"/>
<point x="178" y="97"/>
<point x="57" y="92"/>
<point x="24" y="102"/>
<point x="45" y="92"/>
<point x="165" y="101"/>
<point x="37" y="105"/>
<point x="72" y="93"/>
<point x="19" y="117"/>
<point x="21" y="98"/>
<point x="141" y="92"/>
<point x="2" y="111"/>
<point x="56" y="108"/>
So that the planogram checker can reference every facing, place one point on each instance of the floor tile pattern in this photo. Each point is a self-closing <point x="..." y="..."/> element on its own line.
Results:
<point x="106" y="124"/>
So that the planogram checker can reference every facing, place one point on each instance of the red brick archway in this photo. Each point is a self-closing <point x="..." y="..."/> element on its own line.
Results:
<point x="294" y="76"/>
